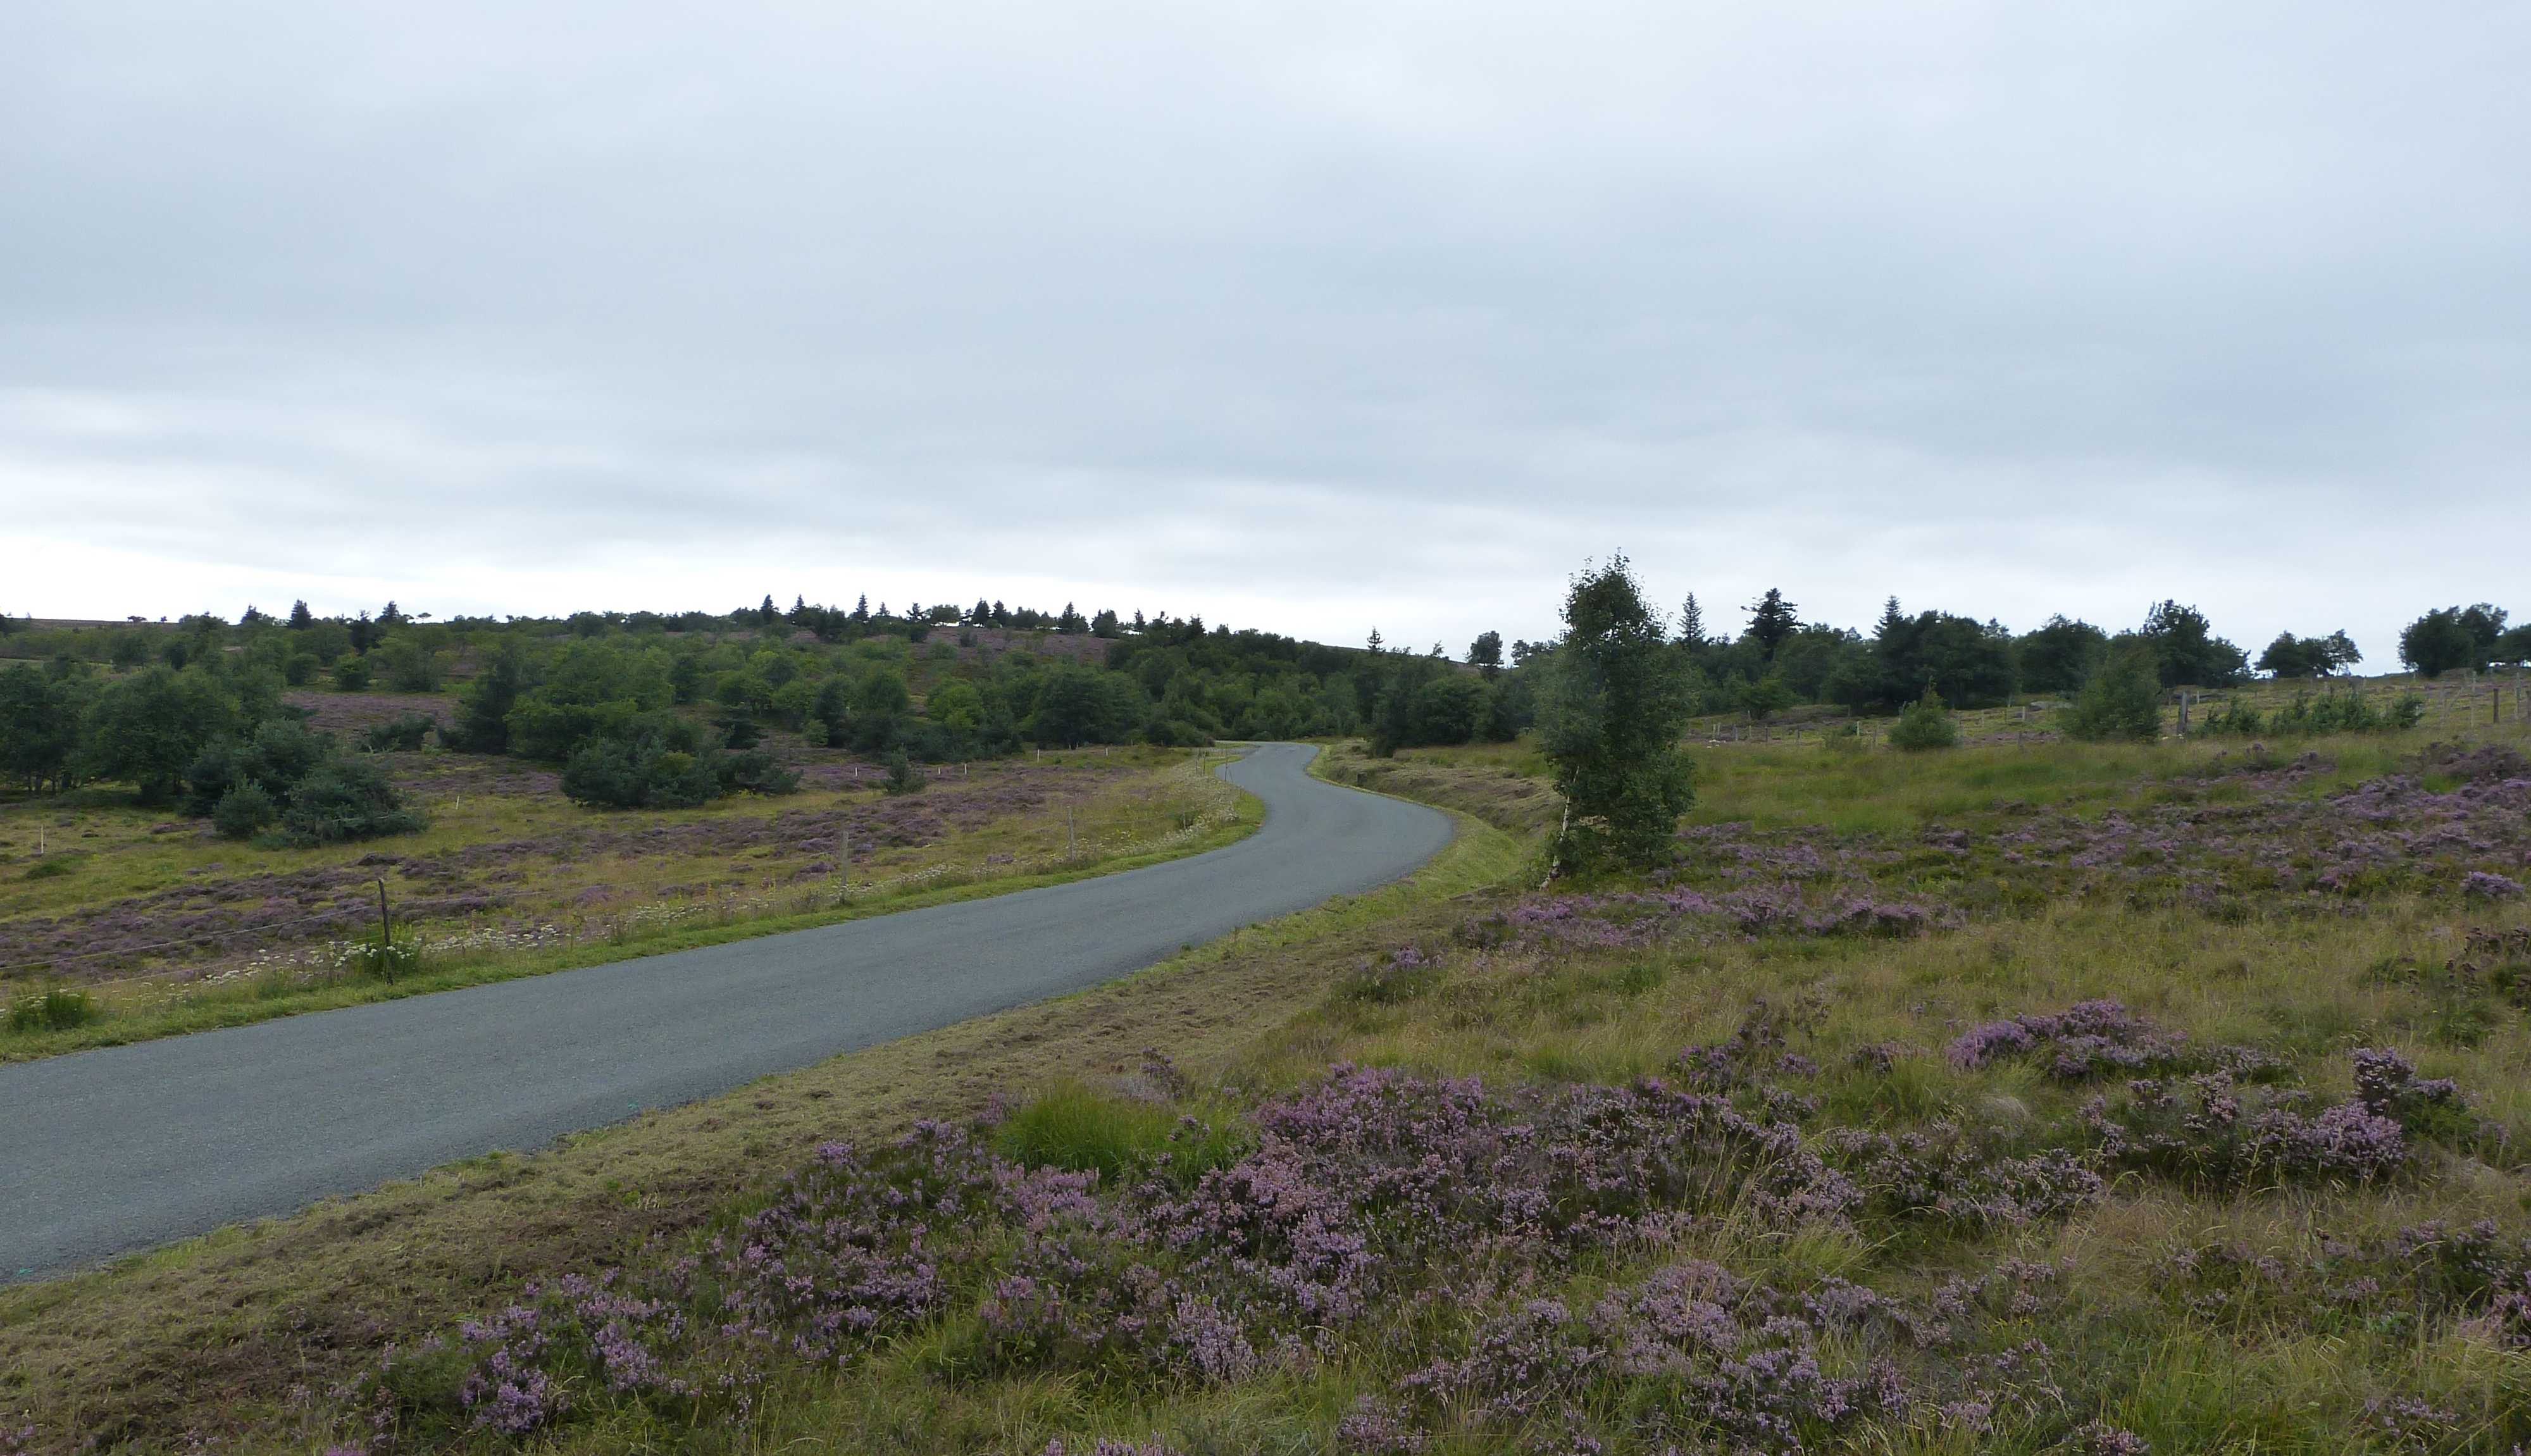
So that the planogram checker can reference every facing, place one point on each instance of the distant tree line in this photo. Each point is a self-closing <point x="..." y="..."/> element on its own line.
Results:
<point x="662" y="709"/>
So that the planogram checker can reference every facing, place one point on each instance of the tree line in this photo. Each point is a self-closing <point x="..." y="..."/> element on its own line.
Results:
<point x="660" y="709"/>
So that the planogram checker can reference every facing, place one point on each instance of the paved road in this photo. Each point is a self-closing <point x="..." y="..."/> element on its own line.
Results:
<point x="110" y="1151"/>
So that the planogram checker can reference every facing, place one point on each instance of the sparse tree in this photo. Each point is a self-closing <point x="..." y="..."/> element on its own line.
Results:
<point x="1772" y="619"/>
<point x="1691" y="626"/>
<point x="1485" y="652"/>
<point x="1610" y="711"/>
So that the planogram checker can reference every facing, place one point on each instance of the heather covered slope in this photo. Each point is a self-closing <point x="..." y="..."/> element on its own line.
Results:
<point x="2099" y="1099"/>
<point x="2133" y="1099"/>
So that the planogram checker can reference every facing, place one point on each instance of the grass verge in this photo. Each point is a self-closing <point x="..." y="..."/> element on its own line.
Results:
<point x="279" y="993"/>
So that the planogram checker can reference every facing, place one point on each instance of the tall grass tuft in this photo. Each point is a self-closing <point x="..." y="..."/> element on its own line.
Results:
<point x="54" y="1010"/>
<point x="387" y="960"/>
<point x="1084" y="1129"/>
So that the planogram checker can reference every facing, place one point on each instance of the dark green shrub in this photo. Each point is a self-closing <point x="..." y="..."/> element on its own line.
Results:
<point x="276" y="757"/>
<point x="345" y="799"/>
<point x="352" y="675"/>
<point x="404" y="734"/>
<point x="244" y="812"/>
<point x="2122" y="700"/>
<point x="611" y="773"/>
<point x="300" y="669"/>
<point x="1924" y="724"/>
<point x="902" y="776"/>
<point x="409" y="666"/>
<point x="755" y="771"/>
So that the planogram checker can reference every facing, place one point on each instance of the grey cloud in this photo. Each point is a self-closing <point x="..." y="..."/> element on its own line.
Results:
<point x="1313" y="312"/>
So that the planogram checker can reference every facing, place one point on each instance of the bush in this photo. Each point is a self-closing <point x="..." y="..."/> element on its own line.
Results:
<point x="345" y="799"/>
<point x="1924" y="724"/>
<point x="244" y="812"/>
<point x="2122" y="700"/>
<point x="410" y="666"/>
<point x="755" y="771"/>
<point x="901" y="775"/>
<point x="352" y="675"/>
<point x="300" y="669"/>
<point x="53" y="1011"/>
<point x="610" y="773"/>
<point x="2338" y="712"/>
<point x="404" y="734"/>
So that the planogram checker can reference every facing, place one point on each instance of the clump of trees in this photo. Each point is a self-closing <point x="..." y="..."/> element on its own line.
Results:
<point x="2454" y="636"/>
<point x="211" y="738"/>
<point x="2291" y="656"/>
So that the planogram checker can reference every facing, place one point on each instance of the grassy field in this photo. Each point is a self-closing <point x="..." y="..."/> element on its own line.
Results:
<point x="2017" y="1097"/>
<point x="155" y="925"/>
<point x="2454" y="704"/>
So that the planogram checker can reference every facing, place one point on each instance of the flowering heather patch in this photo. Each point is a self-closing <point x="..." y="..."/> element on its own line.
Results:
<point x="2207" y="1131"/>
<point x="1504" y="1261"/>
<point x="2098" y="1038"/>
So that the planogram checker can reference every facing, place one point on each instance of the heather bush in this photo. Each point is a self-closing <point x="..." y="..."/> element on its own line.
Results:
<point x="1498" y="1262"/>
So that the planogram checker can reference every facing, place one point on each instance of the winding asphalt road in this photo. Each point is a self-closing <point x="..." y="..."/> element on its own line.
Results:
<point x="106" y="1152"/>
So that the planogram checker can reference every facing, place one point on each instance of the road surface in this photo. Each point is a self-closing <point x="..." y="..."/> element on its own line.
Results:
<point x="122" y="1148"/>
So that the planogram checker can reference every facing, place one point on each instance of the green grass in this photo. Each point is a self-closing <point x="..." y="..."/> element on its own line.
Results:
<point x="1792" y="785"/>
<point x="1074" y="1126"/>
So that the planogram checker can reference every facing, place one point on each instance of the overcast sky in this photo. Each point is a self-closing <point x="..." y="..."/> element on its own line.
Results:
<point x="1312" y="317"/>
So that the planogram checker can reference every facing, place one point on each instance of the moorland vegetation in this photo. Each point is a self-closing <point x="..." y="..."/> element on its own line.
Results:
<point x="2102" y="1091"/>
